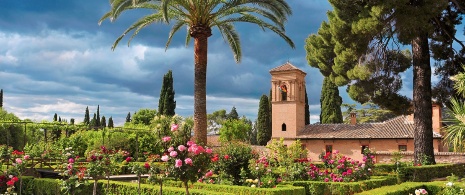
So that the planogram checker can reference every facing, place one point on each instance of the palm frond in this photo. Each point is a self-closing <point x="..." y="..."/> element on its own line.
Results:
<point x="230" y="34"/>
<point x="174" y="29"/>
<point x="455" y="131"/>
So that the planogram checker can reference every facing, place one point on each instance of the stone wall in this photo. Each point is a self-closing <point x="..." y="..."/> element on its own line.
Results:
<point x="440" y="157"/>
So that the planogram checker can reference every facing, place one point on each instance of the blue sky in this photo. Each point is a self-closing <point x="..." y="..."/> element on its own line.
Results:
<point x="55" y="58"/>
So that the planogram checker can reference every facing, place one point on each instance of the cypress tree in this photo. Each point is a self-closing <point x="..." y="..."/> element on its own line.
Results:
<point x="233" y="114"/>
<point x="270" y="107"/>
<point x="263" y="121"/>
<point x="170" y="104"/>
<point x="59" y="119"/>
<point x="87" y="117"/>
<point x="110" y="122"/>
<point x="330" y="103"/>
<point x="307" y="109"/>
<point x="103" y="122"/>
<point x="166" y="103"/>
<point x="1" y="98"/>
<point x="97" y="121"/>
<point x="71" y="121"/>
<point x="128" y="117"/>
<point x="93" y="122"/>
<point x="55" y="117"/>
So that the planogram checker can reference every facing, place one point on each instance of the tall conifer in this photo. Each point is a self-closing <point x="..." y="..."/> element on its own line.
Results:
<point x="97" y="121"/>
<point x="1" y="98"/>
<point x="55" y="117"/>
<point x="330" y="103"/>
<point x="166" y="103"/>
<point x="103" y="122"/>
<point x="263" y="121"/>
<point x="110" y="122"/>
<point x="307" y="109"/>
<point x="128" y="117"/>
<point x="87" y="117"/>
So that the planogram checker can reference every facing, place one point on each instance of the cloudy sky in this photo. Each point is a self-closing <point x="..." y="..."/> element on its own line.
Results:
<point x="55" y="58"/>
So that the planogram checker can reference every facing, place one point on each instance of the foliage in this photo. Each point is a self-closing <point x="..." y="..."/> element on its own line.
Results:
<point x="263" y="121"/>
<point x="231" y="159"/>
<point x="73" y="173"/>
<point x="455" y="130"/>
<point x="143" y="116"/>
<point x="424" y="173"/>
<point x="330" y="102"/>
<point x="368" y="113"/>
<point x="233" y="114"/>
<point x="216" y="120"/>
<point x="235" y="129"/>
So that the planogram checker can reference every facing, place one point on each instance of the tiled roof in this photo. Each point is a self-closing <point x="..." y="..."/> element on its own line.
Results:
<point x="285" y="67"/>
<point x="399" y="127"/>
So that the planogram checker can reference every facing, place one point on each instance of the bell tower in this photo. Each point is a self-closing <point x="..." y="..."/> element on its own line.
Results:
<point x="287" y="101"/>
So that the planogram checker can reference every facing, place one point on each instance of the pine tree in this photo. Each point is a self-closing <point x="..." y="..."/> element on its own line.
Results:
<point x="103" y="122"/>
<point x="1" y="98"/>
<point x="307" y="109"/>
<point x="128" y="117"/>
<point x="263" y="121"/>
<point x="87" y="117"/>
<point x="166" y="103"/>
<point x="98" y="117"/>
<point x="233" y="114"/>
<point x="110" y="122"/>
<point x="330" y="102"/>
<point x="55" y="117"/>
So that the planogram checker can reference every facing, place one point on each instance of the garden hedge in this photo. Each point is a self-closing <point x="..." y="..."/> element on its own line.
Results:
<point x="343" y="188"/>
<point x="427" y="172"/>
<point x="409" y="188"/>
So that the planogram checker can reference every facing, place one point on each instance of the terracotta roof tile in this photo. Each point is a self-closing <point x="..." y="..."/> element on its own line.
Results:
<point x="285" y="67"/>
<point x="398" y="127"/>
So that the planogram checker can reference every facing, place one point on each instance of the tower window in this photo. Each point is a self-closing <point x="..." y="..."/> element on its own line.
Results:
<point x="283" y="127"/>
<point x="283" y="89"/>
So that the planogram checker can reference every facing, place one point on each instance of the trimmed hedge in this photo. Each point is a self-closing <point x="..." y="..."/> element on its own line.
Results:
<point x="343" y="188"/>
<point x="408" y="188"/>
<point x="427" y="172"/>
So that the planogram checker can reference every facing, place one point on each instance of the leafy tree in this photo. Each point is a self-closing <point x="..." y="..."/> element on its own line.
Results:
<point x="128" y="117"/>
<point x="368" y="38"/>
<point x="368" y="113"/>
<point x="87" y="117"/>
<point x="103" y="122"/>
<point x="235" y="129"/>
<point x="307" y="109"/>
<point x="11" y="134"/>
<point x="1" y="98"/>
<point x="166" y="104"/>
<point x="233" y="114"/>
<point x="216" y="119"/>
<point x="110" y="122"/>
<point x="330" y="103"/>
<point x="200" y="17"/>
<point x="144" y="116"/>
<point x="55" y="117"/>
<point x="263" y="122"/>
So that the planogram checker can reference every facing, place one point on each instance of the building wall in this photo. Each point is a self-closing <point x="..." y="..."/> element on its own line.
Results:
<point x="353" y="148"/>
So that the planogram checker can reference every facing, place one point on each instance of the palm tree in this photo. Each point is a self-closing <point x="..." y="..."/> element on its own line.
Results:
<point x="455" y="131"/>
<point x="200" y="16"/>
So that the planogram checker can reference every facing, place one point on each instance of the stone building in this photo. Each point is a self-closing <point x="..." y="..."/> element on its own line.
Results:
<point x="288" y="122"/>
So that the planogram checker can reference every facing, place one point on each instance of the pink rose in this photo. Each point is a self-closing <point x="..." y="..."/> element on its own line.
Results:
<point x="128" y="159"/>
<point x="173" y="154"/>
<point x="26" y="157"/>
<point x="209" y="174"/>
<point x="166" y="139"/>
<point x="174" y="127"/>
<point x="188" y="161"/>
<point x="178" y="163"/>
<point x="181" y="148"/>
<point x="147" y="165"/>
<point x="208" y="150"/>
<point x="170" y="149"/>
<point x="190" y="143"/>
<point x="19" y="161"/>
<point x="165" y="158"/>
<point x="71" y="160"/>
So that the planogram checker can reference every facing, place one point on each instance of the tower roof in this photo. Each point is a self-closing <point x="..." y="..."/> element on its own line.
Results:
<point x="285" y="67"/>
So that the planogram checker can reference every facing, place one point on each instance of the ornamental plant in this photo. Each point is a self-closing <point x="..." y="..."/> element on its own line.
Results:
<point x="139" y="170"/>
<point x="19" y="163"/>
<point x="72" y="174"/>
<point x="99" y="165"/>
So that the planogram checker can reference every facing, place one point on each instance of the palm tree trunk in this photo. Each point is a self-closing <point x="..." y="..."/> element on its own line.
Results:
<point x="423" y="132"/>
<point x="200" y="35"/>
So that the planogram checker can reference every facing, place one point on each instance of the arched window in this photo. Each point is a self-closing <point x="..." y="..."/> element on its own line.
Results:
<point x="283" y="89"/>
<point x="283" y="127"/>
